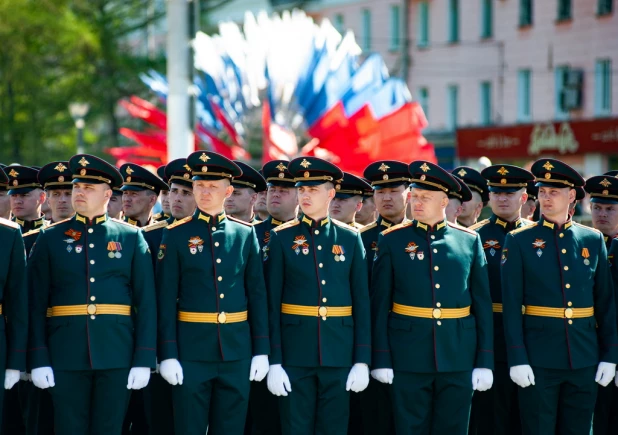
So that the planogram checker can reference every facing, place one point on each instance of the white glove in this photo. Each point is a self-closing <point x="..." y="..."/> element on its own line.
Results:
<point x="43" y="377"/>
<point x="138" y="378"/>
<point x="482" y="379"/>
<point x="11" y="377"/>
<point x="383" y="375"/>
<point x="259" y="368"/>
<point x="605" y="373"/>
<point x="358" y="379"/>
<point x="171" y="371"/>
<point x="25" y="376"/>
<point x="522" y="375"/>
<point x="278" y="382"/>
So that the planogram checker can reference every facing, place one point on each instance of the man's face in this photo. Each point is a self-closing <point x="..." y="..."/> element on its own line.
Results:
<point x="428" y="206"/>
<point x="527" y="210"/>
<point x="46" y="208"/>
<point x="391" y="201"/>
<point x="367" y="212"/>
<point x="555" y="201"/>
<point x="114" y="207"/>
<point x="261" y="203"/>
<point x="507" y="205"/>
<point x="164" y="198"/>
<point x="314" y="200"/>
<point x="281" y="201"/>
<point x="453" y="210"/>
<point x="344" y="209"/>
<point x="5" y="203"/>
<point x="471" y="209"/>
<point x="137" y="203"/>
<point x="605" y="218"/>
<point x="88" y="199"/>
<point x="27" y="206"/>
<point x="210" y="195"/>
<point x="241" y="201"/>
<point x="182" y="201"/>
<point x="60" y="203"/>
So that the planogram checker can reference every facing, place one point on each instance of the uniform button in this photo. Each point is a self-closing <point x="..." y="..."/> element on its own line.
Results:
<point x="90" y="230"/>
<point x="323" y="282"/>
<point x="437" y="285"/>
<point x="91" y="245"/>
<point x="319" y="247"/>
<point x="218" y="260"/>
<point x="439" y="323"/>
<point x="570" y="304"/>
<point x="220" y="278"/>
<point x="214" y="228"/>
<point x="316" y="232"/>
<point x="568" y="286"/>
<point x="566" y="267"/>
<point x="216" y="243"/>
<point x="323" y="299"/>
<point x="91" y="261"/>
<point x="570" y="322"/>
<point x="93" y="317"/>
<point x="436" y="268"/>
<point x="221" y="295"/>
<point x="438" y="304"/>
<point x="561" y="235"/>
<point x="321" y="265"/>
<point x="433" y="237"/>
<point x="91" y="279"/>
<point x="435" y="251"/>
<point x="564" y="251"/>
<point x="93" y="298"/>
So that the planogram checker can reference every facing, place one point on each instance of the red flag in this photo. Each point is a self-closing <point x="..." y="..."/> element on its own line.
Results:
<point x="224" y="120"/>
<point x="156" y="141"/>
<point x="142" y="109"/>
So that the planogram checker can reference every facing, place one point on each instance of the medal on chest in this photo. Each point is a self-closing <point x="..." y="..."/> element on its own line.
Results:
<point x="586" y="255"/>
<point x="196" y="244"/>
<point x="339" y="252"/>
<point x="73" y="237"/>
<point x="114" y="249"/>
<point x="539" y="244"/>
<point x="300" y="244"/>
<point x="411" y="250"/>
<point x="492" y="245"/>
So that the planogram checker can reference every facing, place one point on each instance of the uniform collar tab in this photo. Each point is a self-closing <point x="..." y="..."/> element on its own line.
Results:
<point x="97" y="220"/>
<point x="312" y="223"/>
<point x="206" y="217"/>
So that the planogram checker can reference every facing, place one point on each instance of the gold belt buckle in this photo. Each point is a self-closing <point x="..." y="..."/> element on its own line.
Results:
<point x="568" y="313"/>
<point x="222" y="317"/>
<point x="323" y="312"/>
<point x="437" y="313"/>
<point x="92" y="309"/>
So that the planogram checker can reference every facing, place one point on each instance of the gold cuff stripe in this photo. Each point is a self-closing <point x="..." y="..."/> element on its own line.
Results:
<point x="496" y="308"/>
<point x="431" y="313"/>
<point x="189" y="317"/>
<point x="90" y="309"/>
<point x="301" y="310"/>
<point x="429" y="183"/>
<point x="560" y="313"/>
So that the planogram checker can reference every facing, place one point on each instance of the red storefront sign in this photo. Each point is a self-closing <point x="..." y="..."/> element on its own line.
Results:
<point x="532" y="140"/>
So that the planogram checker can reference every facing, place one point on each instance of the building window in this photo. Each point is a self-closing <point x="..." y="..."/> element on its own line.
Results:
<point x="485" y="103"/>
<point x="525" y="13"/>
<point x="453" y="21"/>
<point x="564" y="10"/>
<point x="524" y="114"/>
<point x="395" y="28"/>
<point x="452" y="103"/>
<point x="423" y="23"/>
<point x="605" y="7"/>
<point x="487" y="22"/>
<point x="561" y="81"/>
<point x="423" y="100"/>
<point x="603" y="87"/>
<point x="366" y="32"/>
<point x="339" y="23"/>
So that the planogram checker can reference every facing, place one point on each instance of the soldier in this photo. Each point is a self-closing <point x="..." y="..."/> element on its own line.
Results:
<point x="86" y="274"/>
<point x="471" y="210"/>
<point x="114" y="207"/>
<point x="529" y="207"/>
<point x="163" y="198"/>
<point x="140" y="191"/>
<point x="246" y="187"/>
<point x="603" y="190"/>
<point x="313" y="347"/>
<point x="56" y="180"/>
<point x="456" y="199"/>
<point x="26" y="196"/>
<point x="497" y="411"/>
<point x="348" y="199"/>
<point x="367" y="214"/>
<point x="260" y="207"/>
<point x="558" y="308"/>
<point x="14" y="308"/>
<point x="213" y="329"/>
<point x="5" y="203"/>
<point x="432" y="333"/>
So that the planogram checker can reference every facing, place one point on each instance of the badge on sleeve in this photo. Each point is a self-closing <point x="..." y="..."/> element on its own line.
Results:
<point x="504" y="253"/>
<point x="161" y="253"/>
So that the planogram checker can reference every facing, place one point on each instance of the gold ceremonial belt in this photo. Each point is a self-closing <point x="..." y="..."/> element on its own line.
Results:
<point x="560" y="313"/>
<point x="301" y="310"/>
<point x="0" y="309"/>
<point x="88" y="310"/>
<point x="431" y="313"/>
<point x="496" y="308"/>
<point x="185" y="316"/>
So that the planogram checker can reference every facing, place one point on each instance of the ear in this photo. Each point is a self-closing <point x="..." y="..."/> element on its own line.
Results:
<point x="253" y="199"/>
<point x="331" y="193"/>
<point x="228" y="191"/>
<point x="523" y="199"/>
<point x="359" y="205"/>
<point x="571" y="195"/>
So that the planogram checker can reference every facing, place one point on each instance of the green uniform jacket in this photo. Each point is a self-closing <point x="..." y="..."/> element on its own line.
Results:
<point x="153" y="234"/>
<point x="14" y="297"/>
<point x="79" y="262"/>
<point x="263" y="229"/>
<point x="493" y="232"/>
<point x="448" y="270"/>
<point x="306" y="273"/>
<point x="370" y="235"/>
<point x="546" y="265"/>
<point x="211" y="264"/>
<point x="30" y="231"/>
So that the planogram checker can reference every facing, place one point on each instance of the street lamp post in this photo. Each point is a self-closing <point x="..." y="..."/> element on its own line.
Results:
<point x="78" y="113"/>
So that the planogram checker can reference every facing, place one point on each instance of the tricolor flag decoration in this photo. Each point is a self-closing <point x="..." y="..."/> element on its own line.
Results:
<point x="300" y="87"/>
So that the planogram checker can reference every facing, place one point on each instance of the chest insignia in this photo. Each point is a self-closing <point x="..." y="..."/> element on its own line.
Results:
<point x="300" y="243"/>
<point x="539" y="244"/>
<point x="196" y="244"/>
<point x="411" y="250"/>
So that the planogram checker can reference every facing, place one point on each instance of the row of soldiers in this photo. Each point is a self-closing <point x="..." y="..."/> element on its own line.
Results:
<point x="232" y="283"/>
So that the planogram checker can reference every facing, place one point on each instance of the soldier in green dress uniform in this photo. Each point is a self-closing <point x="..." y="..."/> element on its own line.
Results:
<point x="456" y="199"/>
<point x="471" y="210"/>
<point x="348" y="199"/>
<point x="114" y="207"/>
<point x="213" y="318"/>
<point x="246" y="187"/>
<point x="558" y="309"/>
<point x="603" y="190"/>
<point x="529" y="208"/>
<point x="140" y="191"/>
<point x="367" y="214"/>
<point x="56" y="180"/>
<point x="319" y="309"/>
<point x="164" y="200"/>
<point x="93" y="313"/>
<point x="497" y="411"/>
<point x="431" y="312"/>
